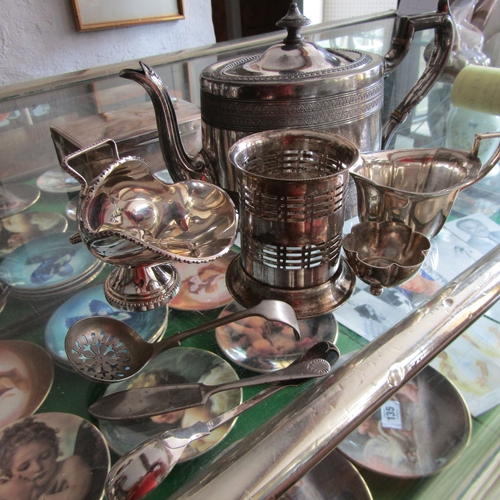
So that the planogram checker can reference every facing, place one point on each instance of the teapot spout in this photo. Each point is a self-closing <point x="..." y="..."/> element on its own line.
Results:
<point x="180" y="165"/>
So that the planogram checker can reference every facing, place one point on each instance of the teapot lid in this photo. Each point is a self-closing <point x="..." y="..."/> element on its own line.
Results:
<point x="294" y="58"/>
<point x="293" y="54"/>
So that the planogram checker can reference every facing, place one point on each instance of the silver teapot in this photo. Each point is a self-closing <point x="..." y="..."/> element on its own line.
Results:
<point x="294" y="84"/>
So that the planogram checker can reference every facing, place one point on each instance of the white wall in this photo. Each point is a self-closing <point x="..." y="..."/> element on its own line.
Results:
<point x="38" y="38"/>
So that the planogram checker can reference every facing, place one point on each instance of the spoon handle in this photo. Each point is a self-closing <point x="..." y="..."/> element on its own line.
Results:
<point x="237" y="410"/>
<point x="307" y="369"/>
<point x="141" y="470"/>
<point x="273" y="310"/>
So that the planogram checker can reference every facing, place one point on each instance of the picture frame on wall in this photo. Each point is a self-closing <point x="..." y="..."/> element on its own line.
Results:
<point x="105" y="14"/>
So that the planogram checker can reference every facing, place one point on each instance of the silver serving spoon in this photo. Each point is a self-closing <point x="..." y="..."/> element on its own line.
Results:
<point x="105" y="349"/>
<point x="144" y="402"/>
<point x="142" y="469"/>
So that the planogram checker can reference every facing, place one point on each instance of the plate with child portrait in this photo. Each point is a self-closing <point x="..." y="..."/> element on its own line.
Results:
<point x="57" y="180"/>
<point x="175" y="366"/>
<point x="203" y="286"/>
<point x="262" y="345"/>
<point x="18" y="229"/>
<point x="26" y="376"/>
<point x="15" y="198"/>
<point x="72" y="456"/>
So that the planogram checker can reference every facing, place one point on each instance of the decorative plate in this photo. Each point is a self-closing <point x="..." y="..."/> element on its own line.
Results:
<point x="26" y="376"/>
<point x="48" y="262"/>
<point x="422" y="429"/>
<point x="203" y="285"/>
<point x="67" y="288"/>
<point x="57" y="180"/>
<point x="334" y="477"/>
<point x="71" y="209"/>
<point x="18" y="229"/>
<point x="75" y="458"/>
<point x="263" y="346"/>
<point x="176" y="365"/>
<point x="15" y="198"/>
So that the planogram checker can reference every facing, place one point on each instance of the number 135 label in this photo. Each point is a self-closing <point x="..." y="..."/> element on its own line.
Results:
<point x="391" y="415"/>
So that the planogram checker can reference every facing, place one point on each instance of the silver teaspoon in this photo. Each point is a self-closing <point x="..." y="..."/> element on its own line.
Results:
<point x="104" y="349"/>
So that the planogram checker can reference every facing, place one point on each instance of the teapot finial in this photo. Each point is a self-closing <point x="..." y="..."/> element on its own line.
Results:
<point x="292" y="22"/>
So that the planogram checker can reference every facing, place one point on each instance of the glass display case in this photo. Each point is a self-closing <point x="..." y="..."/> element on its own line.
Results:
<point x="444" y="317"/>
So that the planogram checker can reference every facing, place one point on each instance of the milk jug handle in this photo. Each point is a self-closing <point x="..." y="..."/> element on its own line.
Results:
<point x="442" y="23"/>
<point x="494" y="158"/>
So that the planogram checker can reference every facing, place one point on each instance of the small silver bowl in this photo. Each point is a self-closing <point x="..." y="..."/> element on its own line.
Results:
<point x="385" y="254"/>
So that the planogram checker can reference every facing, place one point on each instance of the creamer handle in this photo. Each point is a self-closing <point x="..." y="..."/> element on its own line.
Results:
<point x="494" y="158"/>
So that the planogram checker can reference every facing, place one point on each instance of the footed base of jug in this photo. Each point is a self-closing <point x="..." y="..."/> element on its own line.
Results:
<point x="306" y="302"/>
<point x="142" y="288"/>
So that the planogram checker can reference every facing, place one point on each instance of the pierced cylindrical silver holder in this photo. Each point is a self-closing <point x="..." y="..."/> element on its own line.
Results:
<point x="292" y="186"/>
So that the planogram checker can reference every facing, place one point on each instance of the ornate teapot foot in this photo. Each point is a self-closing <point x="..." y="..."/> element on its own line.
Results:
<point x="142" y="288"/>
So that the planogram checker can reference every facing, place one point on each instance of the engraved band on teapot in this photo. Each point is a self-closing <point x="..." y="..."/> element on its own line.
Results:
<point x="255" y="116"/>
<point x="224" y="73"/>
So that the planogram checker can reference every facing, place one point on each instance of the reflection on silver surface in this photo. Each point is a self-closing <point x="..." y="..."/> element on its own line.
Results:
<point x="139" y="471"/>
<point x="308" y="302"/>
<point x="144" y="402"/>
<point x="142" y="469"/>
<point x="423" y="428"/>
<point x="181" y="364"/>
<point x="129" y="218"/>
<point x="268" y="461"/>
<point x="417" y="186"/>
<point x="293" y="84"/>
<point x="105" y="349"/>
<point x="261" y="345"/>
<point x="292" y="194"/>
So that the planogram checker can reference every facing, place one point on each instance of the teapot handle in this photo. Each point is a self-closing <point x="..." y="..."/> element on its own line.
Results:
<point x="78" y="175"/>
<point x="494" y="158"/>
<point x="442" y="23"/>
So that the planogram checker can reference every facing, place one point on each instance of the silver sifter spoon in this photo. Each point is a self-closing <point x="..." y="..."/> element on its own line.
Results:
<point x="141" y="470"/>
<point x="104" y="349"/>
